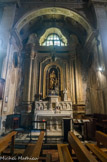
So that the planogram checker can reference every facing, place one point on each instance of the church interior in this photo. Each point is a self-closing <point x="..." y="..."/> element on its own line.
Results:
<point x="53" y="80"/>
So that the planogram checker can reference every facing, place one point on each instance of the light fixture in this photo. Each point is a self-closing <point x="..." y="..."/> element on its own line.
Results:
<point x="101" y="69"/>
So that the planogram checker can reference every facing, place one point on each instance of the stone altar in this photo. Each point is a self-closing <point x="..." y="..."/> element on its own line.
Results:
<point x="44" y="110"/>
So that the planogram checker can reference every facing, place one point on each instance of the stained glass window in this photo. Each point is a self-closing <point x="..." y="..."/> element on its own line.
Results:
<point x="53" y="40"/>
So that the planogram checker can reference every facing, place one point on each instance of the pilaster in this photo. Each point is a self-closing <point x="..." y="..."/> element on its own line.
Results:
<point x="5" y="28"/>
<point x="101" y="15"/>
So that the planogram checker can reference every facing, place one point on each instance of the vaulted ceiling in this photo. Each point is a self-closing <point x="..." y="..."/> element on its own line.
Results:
<point x="67" y="26"/>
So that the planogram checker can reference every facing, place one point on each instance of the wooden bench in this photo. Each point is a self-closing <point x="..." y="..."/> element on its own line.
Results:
<point x="33" y="150"/>
<point x="46" y="159"/>
<point x="100" y="122"/>
<point x="82" y="153"/>
<point x="101" y="138"/>
<point x="98" y="152"/>
<point x="8" y="140"/>
<point x="64" y="154"/>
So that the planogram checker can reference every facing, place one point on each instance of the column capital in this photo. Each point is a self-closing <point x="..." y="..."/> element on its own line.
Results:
<point x="31" y="51"/>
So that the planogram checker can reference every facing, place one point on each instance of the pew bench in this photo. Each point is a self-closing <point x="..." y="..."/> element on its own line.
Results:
<point x="97" y="151"/>
<point x="100" y="122"/>
<point x="8" y="140"/>
<point x="101" y="139"/>
<point x="48" y="158"/>
<point x="82" y="153"/>
<point x="34" y="150"/>
<point x="64" y="154"/>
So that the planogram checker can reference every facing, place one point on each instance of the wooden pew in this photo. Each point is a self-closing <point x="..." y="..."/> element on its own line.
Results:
<point x="48" y="158"/>
<point x="64" y="154"/>
<point x="34" y="150"/>
<point x="98" y="152"/>
<point x="82" y="153"/>
<point x="101" y="121"/>
<point x="6" y="141"/>
<point x="101" y="138"/>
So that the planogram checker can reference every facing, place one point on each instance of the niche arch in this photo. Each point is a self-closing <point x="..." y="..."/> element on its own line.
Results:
<point x="59" y="72"/>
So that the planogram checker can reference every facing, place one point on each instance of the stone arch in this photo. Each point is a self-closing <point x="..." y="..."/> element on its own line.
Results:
<point x="53" y="10"/>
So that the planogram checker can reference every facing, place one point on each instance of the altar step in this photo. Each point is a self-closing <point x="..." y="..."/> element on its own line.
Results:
<point x="51" y="139"/>
<point x="48" y="133"/>
<point x="47" y="139"/>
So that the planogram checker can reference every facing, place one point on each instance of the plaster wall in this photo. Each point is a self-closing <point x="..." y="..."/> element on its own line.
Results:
<point x="12" y="81"/>
<point x="6" y="22"/>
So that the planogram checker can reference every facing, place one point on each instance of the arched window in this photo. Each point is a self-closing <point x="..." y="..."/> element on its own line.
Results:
<point x="53" y="40"/>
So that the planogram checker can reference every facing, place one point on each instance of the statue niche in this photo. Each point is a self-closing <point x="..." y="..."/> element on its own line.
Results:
<point x="53" y="81"/>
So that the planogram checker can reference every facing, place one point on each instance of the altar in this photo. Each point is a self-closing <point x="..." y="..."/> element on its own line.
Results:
<point x="54" y="105"/>
<point x="53" y="111"/>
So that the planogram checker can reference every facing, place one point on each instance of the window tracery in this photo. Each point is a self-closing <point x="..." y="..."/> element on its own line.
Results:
<point x="53" y="40"/>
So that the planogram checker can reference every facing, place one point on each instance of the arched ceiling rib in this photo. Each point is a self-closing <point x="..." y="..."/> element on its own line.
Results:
<point x="53" y="11"/>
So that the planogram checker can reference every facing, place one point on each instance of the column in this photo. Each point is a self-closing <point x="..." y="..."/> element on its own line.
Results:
<point x="27" y="76"/>
<point x="5" y="27"/>
<point x="38" y="124"/>
<point x="56" y="125"/>
<point x="31" y="53"/>
<point x="37" y="75"/>
<point x="34" y="69"/>
<point x="50" y="125"/>
<point x="35" y="119"/>
<point x="50" y="106"/>
<point x="73" y="76"/>
<point x="45" y="106"/>
<point x="101" y="15"/>
<point x="44" y="124"/>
